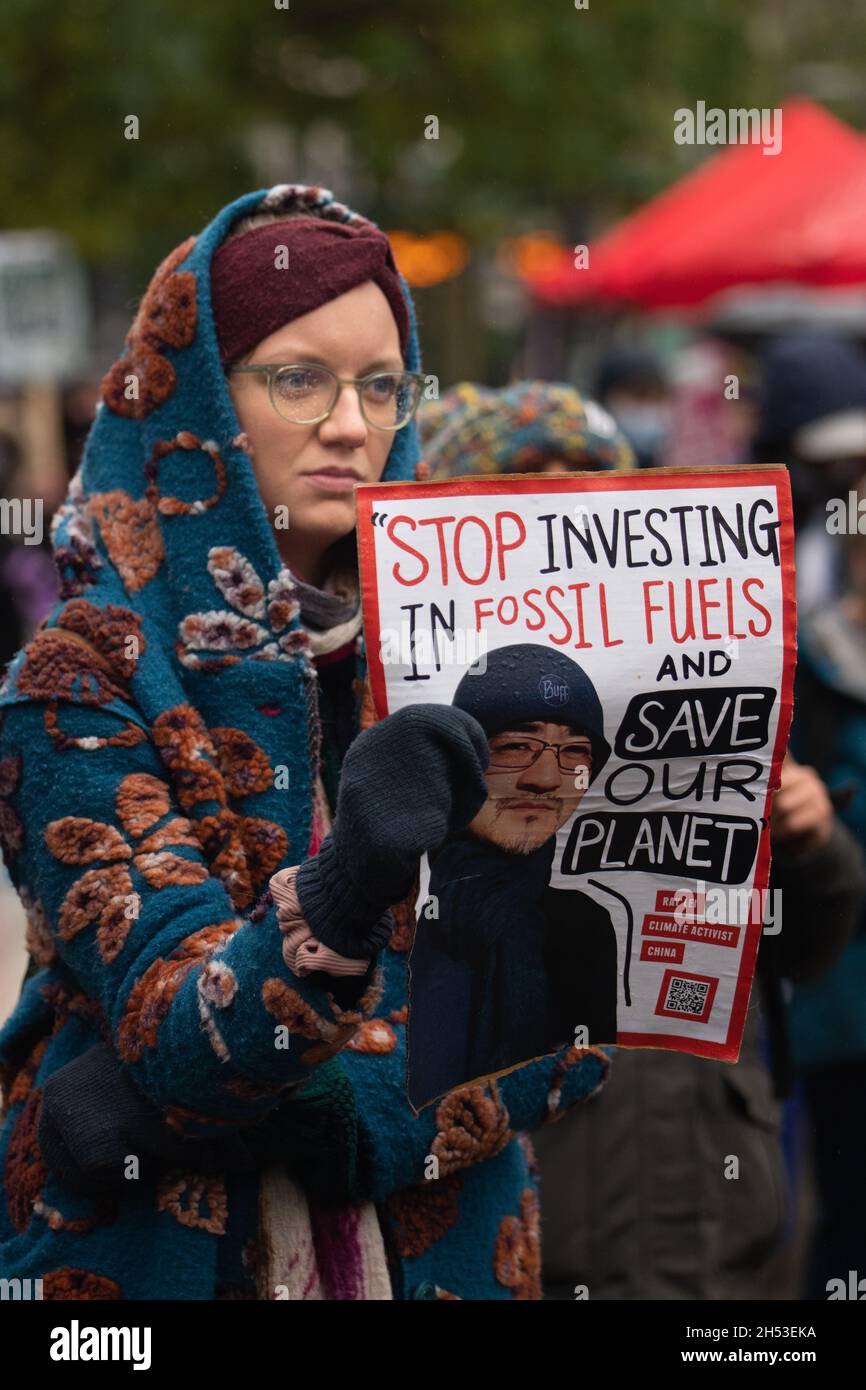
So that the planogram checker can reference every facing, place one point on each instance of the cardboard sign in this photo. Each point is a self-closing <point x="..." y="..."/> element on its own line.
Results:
<point x="44" y="308"/>
<point x="627" y="643"/>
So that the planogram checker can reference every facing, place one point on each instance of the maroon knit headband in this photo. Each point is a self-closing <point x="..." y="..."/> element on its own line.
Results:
<point x="254" y="292"/>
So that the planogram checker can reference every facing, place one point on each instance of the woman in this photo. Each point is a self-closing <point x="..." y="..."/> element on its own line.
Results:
<point x="171" y="740"/>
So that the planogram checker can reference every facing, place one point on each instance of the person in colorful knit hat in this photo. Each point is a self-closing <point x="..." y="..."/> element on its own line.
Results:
<point x="529" y="427"/>
<point x="216" y="844"/>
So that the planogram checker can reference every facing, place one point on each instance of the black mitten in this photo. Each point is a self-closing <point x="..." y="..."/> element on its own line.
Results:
<point x="406" y="785"/>
<point x="93" y="1117"/>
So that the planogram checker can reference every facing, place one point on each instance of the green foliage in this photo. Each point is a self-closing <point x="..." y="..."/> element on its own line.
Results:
<point x="541" y="106"/>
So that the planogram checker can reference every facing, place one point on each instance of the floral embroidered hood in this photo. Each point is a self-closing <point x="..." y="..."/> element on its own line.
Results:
<point x="158" y="743"/>
<point x="175" y="608"/>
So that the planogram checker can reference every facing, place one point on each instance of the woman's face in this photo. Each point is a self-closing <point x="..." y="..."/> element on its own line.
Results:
<point x="311" y="469"/>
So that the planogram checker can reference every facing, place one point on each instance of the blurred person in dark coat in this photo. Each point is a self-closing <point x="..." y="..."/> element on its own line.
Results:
<point x="631" y="384"/>
<point x="812" y="417"/>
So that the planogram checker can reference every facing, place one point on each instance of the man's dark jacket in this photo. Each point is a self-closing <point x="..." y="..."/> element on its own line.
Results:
<point x="503" y="967"/>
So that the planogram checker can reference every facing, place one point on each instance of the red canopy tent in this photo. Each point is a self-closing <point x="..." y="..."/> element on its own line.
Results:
<point x="743" y="217"/>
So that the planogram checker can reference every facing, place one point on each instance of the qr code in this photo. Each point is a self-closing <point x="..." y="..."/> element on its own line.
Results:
<point x="687" y="996"/>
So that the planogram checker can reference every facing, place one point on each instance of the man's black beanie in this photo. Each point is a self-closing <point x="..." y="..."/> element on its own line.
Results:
<point x="527" y="682"/>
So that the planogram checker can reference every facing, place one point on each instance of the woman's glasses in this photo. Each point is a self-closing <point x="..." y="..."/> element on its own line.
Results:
<point x="305" y="394"/>
<point x="519" y="751"/>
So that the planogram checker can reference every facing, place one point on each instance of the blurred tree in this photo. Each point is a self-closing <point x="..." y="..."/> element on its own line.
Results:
<point x="544" y="112"/>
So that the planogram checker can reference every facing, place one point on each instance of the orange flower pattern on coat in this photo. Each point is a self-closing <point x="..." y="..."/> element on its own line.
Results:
<point x="106" y="1212"/>
<point x="130" y="531"/>
<point x="367" y="716"/>
<point x="375" y="1036"/>
<point x="244" y="767"/>
<point x="255" y="625"/>
<point x="131" y="735"/>
<point x="569" y="1059"/>
<point x="188" y="752"/>
<point x="328" y="1035"/>
<point x="185" y="441"/>
<point x="76" y="559"/>
<point x="19" y="1083"/>
<point x="79" y="1285"/>
<point x="194" y="1199"/>
<point x="38" y="938"/>
<point x="471" y="1124"/>
<point x="404" y="922"/>
<point x="291" y="1010"/>
<point x="130" y="527"/>
<point x="517" y="1253"/>
<point x="11" y="826"/>
<point x="102" y="894"/>
<point x="422" y="1214"/>
<point x="166" y="318"/>
<point x="87" y="657"/>
<point x="25" y="1172"/>
<point x="66" y="1003"/>
<point x="153" y="993"/>
<point x="210" y="766"/>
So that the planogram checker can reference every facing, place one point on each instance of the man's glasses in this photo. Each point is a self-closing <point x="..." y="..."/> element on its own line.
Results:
<point x="305" y="394"/>
<point x="518" y="752"/>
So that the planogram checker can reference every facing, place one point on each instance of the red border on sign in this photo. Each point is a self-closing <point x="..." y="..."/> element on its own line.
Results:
<point x="367" y="495"/>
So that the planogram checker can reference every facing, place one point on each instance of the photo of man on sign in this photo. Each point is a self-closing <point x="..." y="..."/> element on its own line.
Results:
<point x="618" y="650"/>
<point x="504" y="967"/>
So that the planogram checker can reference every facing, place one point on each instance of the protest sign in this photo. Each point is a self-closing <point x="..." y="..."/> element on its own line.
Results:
<point x="627" y="643"/>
